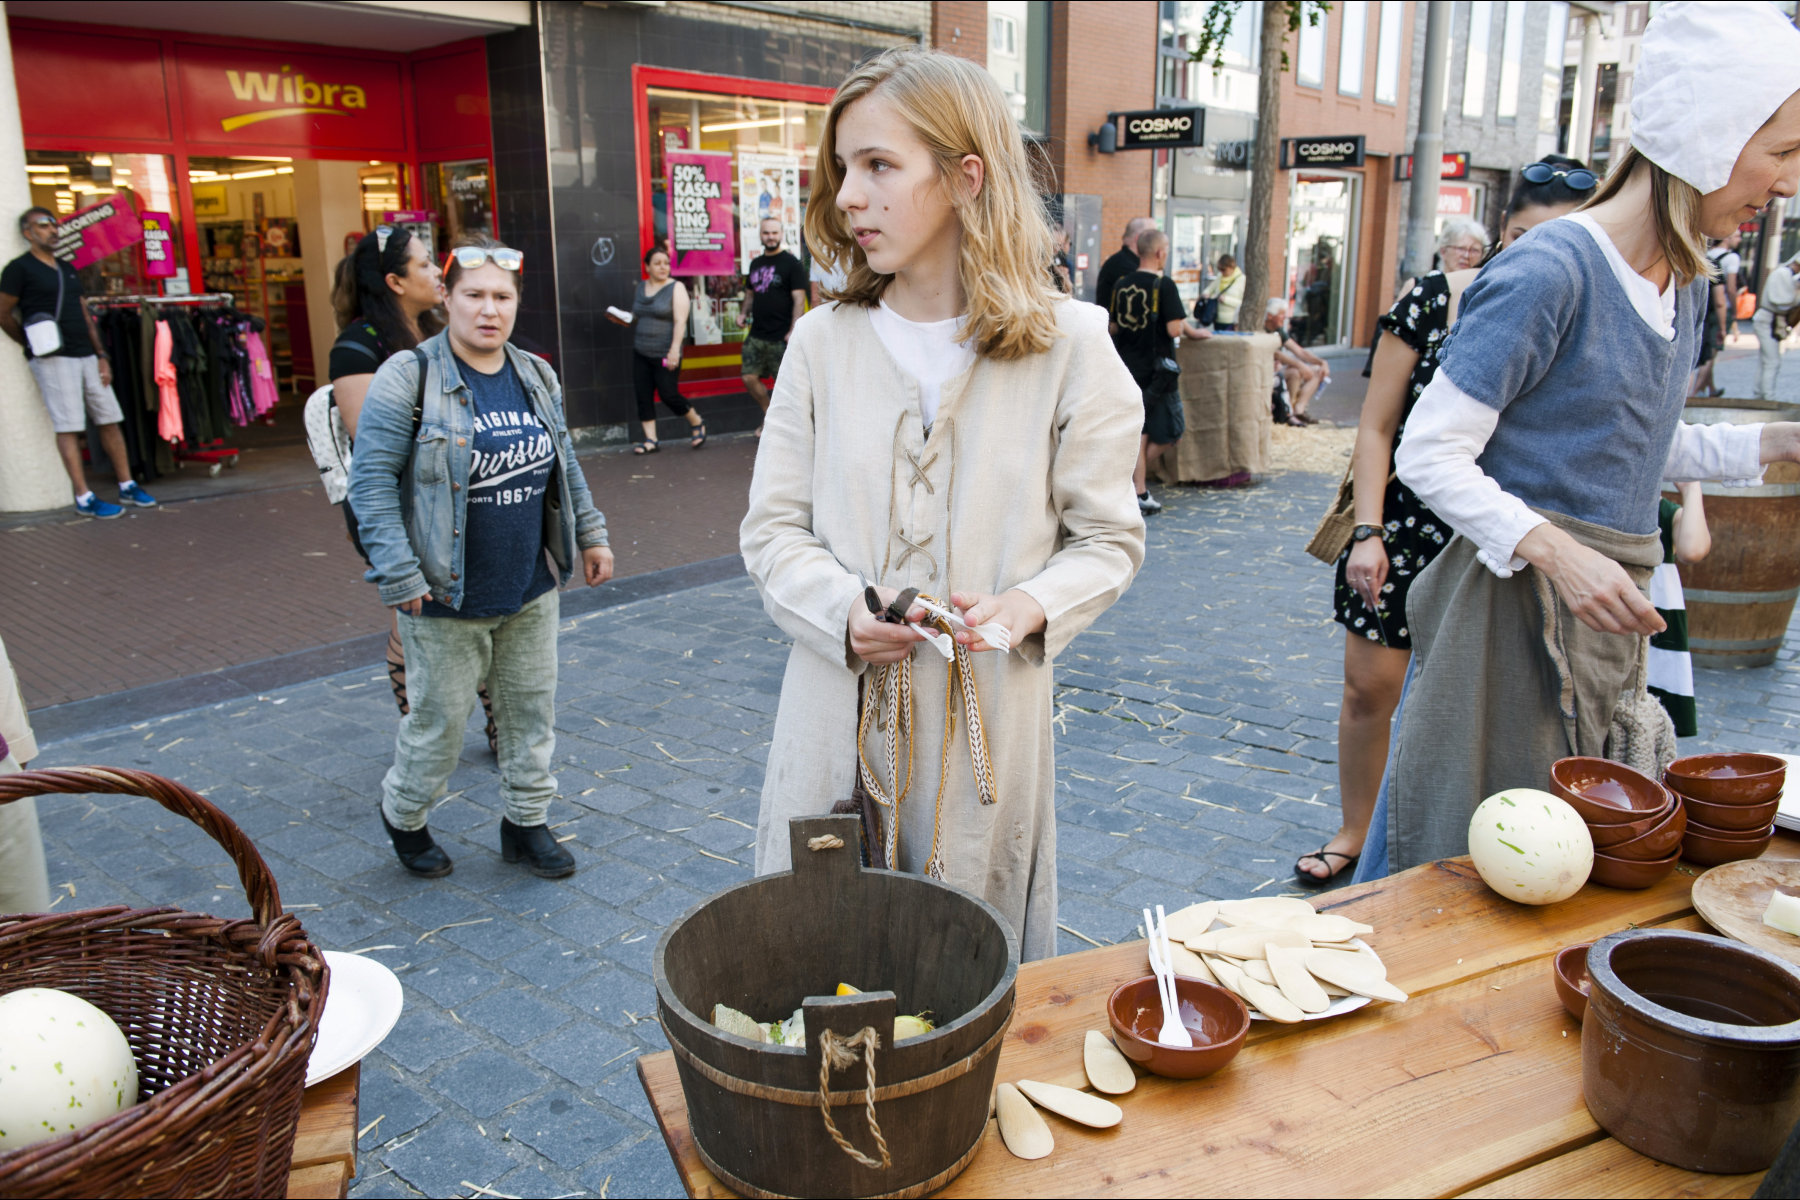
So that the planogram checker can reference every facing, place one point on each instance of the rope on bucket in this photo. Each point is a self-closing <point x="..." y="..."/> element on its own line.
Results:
<point x="825" y="841"/>
<point x="837" y="1053"/>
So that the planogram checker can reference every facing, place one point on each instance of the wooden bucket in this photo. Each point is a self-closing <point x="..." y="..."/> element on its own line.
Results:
<point x="1741" y="596"/>
<point x="765" y="948"/>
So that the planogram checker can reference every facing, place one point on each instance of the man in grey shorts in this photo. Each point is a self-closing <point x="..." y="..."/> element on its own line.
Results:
<point x="74" y="377"/>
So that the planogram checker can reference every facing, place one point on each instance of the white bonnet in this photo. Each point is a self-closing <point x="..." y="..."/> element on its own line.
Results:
<point x="1708" y="76"/>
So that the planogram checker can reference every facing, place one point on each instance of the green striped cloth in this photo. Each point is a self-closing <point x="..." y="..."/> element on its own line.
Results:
<point x="1671" y="673"/>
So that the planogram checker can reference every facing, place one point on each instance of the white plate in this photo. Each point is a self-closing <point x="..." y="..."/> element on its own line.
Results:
<point x="362" y="1006"/>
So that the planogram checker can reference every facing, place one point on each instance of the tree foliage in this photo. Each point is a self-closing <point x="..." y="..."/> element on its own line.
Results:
<point x="1215" y="27"/>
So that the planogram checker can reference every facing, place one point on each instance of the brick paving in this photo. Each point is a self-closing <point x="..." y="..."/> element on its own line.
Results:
<point x="1196" y="758"/>
<point x="96" y="607"/>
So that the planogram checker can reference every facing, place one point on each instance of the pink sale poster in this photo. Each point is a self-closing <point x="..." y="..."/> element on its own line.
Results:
<point x="701" y="223"/>
<point x="159" y="245"/>
<point x="89" y="234"/>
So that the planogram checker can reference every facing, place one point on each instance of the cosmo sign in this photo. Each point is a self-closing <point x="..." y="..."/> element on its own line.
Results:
<point x="1336" y="151"/>
<point x="1159" y="128"/>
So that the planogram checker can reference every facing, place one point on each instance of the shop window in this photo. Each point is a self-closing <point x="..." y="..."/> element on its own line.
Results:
<point x="462" y="194"/>
<point x="1019" y="58"/>
<point x="1387" y="52"/>
<point x="113" y="252"/>
<point x="769" y="147"/>
<point x="1352" y="49"/>
<point x="1556" y="36"/>
<point x="1475" y="63"/>
<point x="1321" y="256"/>
<point x="1512" y="60"/>
<point x="1309" y="66"/>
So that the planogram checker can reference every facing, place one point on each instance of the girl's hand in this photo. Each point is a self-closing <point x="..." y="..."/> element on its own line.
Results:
<point x="597" y="565"/>
<point x="672" y="361"/>
<point x="880" y="642"/>
<point x="1596" y="589"/>
<point x="1014" y="609"/>
<point x="1366" y="571"/>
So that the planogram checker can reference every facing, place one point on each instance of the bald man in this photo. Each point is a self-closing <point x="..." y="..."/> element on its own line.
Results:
<point x="1121" y="264"/>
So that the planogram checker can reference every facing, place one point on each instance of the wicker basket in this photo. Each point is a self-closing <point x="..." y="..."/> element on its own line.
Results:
<point x="220" y="1014"/>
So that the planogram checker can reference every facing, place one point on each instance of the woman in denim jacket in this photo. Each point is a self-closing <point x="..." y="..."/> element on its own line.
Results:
<point x="473" y="510"/>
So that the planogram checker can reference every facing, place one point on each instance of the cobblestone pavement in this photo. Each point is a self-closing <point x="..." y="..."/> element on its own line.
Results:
<point x="1196" y="757"/>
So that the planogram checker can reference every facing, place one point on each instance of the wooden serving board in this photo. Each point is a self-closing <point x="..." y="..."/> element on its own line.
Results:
<point x="1733" y="896"/>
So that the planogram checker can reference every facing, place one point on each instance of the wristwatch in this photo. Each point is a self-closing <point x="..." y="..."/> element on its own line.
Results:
<point x="1364" y="531"/>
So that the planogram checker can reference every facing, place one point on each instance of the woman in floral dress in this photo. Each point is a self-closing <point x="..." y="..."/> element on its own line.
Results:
<point x="1396" y="535"/>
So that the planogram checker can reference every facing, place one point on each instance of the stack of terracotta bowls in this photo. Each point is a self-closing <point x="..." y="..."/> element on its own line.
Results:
<point x="1636" y="823"/>
<point x="1731" y="800"/>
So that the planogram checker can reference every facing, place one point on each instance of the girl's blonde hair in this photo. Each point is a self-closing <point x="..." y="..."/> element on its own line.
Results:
<point x="956" y="109"/>
<point x="1675" y="209"/>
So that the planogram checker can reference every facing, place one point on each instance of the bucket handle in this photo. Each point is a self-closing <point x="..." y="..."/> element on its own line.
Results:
<point x="840" y="1054"/>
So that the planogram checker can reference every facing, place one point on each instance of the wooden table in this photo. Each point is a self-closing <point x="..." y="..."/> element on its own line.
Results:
<point x="325" y="1142"/>
<point x="1471" y="1088"/>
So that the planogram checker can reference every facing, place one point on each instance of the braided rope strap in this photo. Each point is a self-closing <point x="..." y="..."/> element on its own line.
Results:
<point x="837" y="1053"/>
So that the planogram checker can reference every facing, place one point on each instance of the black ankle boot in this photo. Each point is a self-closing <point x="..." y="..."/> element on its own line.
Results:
<point x="536" y="845"/>
<point x="417" y="852"/>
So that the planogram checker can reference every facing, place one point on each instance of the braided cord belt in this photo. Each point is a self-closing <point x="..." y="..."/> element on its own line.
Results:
<point x="893" y="692"/>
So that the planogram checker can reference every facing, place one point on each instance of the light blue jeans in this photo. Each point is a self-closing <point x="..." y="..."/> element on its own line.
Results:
<point x="447" y="659"/>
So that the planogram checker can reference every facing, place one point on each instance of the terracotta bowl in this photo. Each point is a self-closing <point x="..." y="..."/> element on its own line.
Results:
<point x="1217" y="1020"/>
<point x="1728" y="778"/>
<point x="1611" y="835"/>
<point x="1662" y="840"/>
<point x="1707" y="850"/>
<point x="1630" y="874"/>
<point x="1569" y="970"/>
<point x="1607" y="793"/>
<point x="1731" y="816"/>
<point x="1727" y="835"/>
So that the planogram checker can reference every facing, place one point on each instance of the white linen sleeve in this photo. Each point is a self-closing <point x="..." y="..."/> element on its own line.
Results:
<point x="1445" y="434"/>
<point x="1729" y="454"/>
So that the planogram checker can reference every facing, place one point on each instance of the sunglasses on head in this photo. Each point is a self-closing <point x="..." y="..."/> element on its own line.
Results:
<point x="504" y="257"/>
<point x="382" y="234"/>
<point x="1579" y="179"/>
<point x="40" y="223"/>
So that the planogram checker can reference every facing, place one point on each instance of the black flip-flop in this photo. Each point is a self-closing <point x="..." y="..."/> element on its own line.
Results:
<point x="1310" y="880"/>
<point x="646" y="447"/>
<point x="698" y="434"/>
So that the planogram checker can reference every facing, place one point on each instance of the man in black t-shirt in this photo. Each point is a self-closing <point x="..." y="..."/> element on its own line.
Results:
<point x="778" y="297"/>
<point x="1121" y="264"/>
<point x="41" y="293"/>
<point x="1147" y="316"/>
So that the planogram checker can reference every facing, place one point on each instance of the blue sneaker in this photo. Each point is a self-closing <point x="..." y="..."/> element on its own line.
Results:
<point x="96" y="507"/>
<point x="135" y="495"/>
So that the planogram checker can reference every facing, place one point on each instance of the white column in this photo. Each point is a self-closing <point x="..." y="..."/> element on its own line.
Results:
<point x="31" y="474"/>
<point x="1581" y="120"/>
<point x="328" y="205"/>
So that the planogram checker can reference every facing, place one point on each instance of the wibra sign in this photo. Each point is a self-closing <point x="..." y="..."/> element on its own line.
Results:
<point x="238" y="97"/>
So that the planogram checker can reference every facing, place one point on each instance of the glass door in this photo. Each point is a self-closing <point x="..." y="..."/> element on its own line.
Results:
<point x="1321" y="256"/>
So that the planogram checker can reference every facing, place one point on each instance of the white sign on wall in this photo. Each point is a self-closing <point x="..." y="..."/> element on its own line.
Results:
<point x="768" y="186"/>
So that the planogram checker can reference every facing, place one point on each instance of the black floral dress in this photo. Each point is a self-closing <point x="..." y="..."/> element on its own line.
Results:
<point x="1414" y="534"/>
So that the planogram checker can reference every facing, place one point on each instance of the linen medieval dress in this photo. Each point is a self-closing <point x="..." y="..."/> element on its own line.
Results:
<point x="1023" y="481"/>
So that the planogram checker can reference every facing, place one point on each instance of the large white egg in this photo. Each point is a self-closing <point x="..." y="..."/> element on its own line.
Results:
<point x="64" y="1065"/>
<point x="1530" y="846"/>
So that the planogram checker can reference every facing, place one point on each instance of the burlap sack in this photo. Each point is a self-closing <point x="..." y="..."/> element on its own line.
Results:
<point x="1225" y="386"/>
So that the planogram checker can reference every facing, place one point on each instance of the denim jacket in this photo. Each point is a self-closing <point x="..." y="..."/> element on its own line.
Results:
<point x="411" y="496"/>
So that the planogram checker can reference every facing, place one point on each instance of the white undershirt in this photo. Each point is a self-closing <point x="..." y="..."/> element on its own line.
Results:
<point x="926" y="350"/>
<point x="1448" y="429"/>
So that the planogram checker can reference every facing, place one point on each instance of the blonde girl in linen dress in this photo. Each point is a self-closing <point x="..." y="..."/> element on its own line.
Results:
<point x="950" y="424"/>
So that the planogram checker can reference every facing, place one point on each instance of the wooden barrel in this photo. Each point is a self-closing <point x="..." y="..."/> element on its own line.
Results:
<point x="786" y="941"/>
<point x="1740" y="597"/>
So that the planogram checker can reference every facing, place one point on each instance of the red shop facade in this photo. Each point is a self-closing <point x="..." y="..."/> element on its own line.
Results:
<point x="268" y="157"/>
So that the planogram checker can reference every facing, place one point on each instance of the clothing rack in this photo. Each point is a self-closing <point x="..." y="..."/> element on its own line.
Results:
<point x="207" y="298"/>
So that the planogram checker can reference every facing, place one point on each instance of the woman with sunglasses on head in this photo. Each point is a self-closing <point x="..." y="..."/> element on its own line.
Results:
<point x="473" y="509"/>
<point x="659" y="314"/>
<point x="1396" y="535"/>
<point x="951" y="424"/>
<point x="1550" y="425"/>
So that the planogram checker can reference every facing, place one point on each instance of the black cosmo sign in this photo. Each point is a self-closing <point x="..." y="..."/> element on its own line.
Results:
<point x="1158" y="128"/>
<point x="1344" y="151"/>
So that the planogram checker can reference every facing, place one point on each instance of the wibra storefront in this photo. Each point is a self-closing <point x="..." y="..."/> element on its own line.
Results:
<point x="256" y="162"/>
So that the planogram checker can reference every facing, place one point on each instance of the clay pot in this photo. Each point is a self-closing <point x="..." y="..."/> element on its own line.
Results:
<point x="1662" y="839"/>
<point x="1690" y="1052"/>
<point x="1708" y="849"/>
<point x="1611" y="835"/>
<point x="1743" y="817"/>
<point x="1569" y="970"/>
<point x="1217" y="1020"/>
<point x="1728" y="778"/>
<point x="1629" y="874"/>
<point x="1606" y="792"/>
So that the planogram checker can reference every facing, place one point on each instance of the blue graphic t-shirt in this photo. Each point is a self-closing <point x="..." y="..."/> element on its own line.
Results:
<point x="503" y="536"/>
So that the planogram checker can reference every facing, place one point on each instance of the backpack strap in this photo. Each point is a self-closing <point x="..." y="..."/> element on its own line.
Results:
<point x="419" y="399"/>
<point x="349" y="344"/>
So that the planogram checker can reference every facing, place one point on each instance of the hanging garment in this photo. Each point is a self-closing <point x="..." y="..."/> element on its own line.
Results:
<point x="262" y="374"/>
<point x="168" y="424"/>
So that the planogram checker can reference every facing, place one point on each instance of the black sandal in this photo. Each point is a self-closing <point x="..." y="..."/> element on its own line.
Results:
<point x="647" y="446"/>
<point x="698" y="434"/>
<point x="1310" y="880"/>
